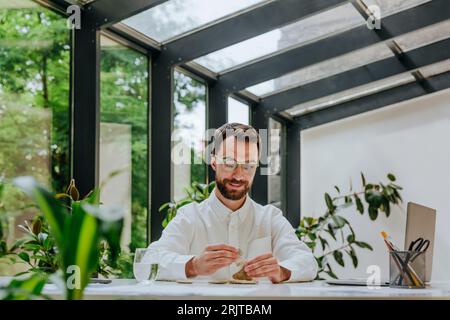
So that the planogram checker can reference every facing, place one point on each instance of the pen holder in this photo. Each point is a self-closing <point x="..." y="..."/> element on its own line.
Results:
<point x="407" y="269"/>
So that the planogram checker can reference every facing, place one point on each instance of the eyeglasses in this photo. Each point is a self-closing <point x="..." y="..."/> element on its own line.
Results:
<point x="230" y="164"/>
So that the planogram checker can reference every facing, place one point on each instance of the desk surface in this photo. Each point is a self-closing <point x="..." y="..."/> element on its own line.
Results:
<point x="130" y="289"/>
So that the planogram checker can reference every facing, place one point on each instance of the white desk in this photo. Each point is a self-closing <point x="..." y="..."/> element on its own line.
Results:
<point x="129" y="289"/>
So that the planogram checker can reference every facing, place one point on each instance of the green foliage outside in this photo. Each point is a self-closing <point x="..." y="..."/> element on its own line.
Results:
<point x="34" y="112"/>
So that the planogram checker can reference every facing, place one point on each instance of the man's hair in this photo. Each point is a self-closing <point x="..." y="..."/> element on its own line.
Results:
<point x="241" y="132"/>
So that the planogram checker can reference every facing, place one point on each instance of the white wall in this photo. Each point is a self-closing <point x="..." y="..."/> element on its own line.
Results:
<point x="411" y="140"/>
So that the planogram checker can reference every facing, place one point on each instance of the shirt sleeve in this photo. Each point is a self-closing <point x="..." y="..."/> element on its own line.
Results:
<point x="174" y="245"/>
<point x="291" y="252"/>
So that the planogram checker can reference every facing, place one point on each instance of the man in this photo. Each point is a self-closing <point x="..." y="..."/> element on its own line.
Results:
<point x="206" y="240"/>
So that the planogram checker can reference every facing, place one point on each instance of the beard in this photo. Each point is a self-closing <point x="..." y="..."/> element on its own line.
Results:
<point x="229" y="193"/>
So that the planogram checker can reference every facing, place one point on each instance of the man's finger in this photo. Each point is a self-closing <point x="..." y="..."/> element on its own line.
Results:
<point x="264" y="271"/>
<point x="261" y="257"/>
<point x="220" y="261"/>
<point x="221" y="254"/>
<point x="258" y="264"/>
<point x="216" y="247"/>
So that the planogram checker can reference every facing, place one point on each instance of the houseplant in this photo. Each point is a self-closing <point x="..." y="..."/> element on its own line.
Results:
<point x="77" y="225"/>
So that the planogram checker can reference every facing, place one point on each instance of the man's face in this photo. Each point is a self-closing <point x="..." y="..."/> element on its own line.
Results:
<point x="234" y="183"/>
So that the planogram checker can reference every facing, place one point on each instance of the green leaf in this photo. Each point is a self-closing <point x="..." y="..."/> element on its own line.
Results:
<point x="351" y="238"/>
<point x="312" y="236"/>
<point x="353" y="257"/>
<point x="24" y="256"/>
<point x="338" y="256"/>
<point x="339" y="222"/>
<point x="17" y="244"/>
<point x="337" y="189"/>
<point x="3" y="248"/>
<point x="363" y="179"/>
<point x="373" y="213"/>
<point x="164" y="206"/>
<point x="81" y="248"/>
<point x="374" y="198"/>
<point x="329" y="202"/>
<point x="330" y="272"/>
<point x="391" y="177"/>
<point x="25" y="289"/>
<point x="364" y="245"/>
<point x="323" y="242"/>
<point x="359" y="204"/>
<point x="331" y="232"/>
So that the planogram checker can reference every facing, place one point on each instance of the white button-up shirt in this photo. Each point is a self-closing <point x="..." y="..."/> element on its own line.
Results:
<point x="255" y="229"/>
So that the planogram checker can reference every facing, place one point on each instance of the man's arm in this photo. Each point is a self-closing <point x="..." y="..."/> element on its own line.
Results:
<point x="293" y="254"/>
<point x="173" y="246"/>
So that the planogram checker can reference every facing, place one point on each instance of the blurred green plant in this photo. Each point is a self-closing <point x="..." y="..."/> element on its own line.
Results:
<point x="77" y="225"/>
<point x="196" y="192"/>
<point x="25" y="289"/>
<point x="334" y="235"/>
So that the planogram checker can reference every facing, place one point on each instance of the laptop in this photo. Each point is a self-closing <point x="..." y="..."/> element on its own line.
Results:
<point x="420" y="223"/>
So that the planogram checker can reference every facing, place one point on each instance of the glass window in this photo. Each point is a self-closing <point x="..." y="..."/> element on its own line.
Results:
<point x="389" y="7"/>
<point x="238" y="111"/>
<point x="188" y="136"/>
<point x="175" y="17"/>
<point x="34" y="106"/>
<point x="124" y="136"/>
<point x="275" y="178"/>
<point x="351" y="94"/>
<point x="306" y="30"/>
<point x="323" y="69"/>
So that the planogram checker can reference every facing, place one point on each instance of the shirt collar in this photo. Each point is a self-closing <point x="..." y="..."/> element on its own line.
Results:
<point x="223" y="212"/>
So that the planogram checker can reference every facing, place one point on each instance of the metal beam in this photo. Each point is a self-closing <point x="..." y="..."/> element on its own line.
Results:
<point x="104" y="13"/>
<point x="217" y="116"/>
<point x="260" y="121"/>
<point x="293" y="165"/>
<point x="371" y="102"/>
<point x="251" y="23"/>
<point x="346" y="42"/>
<point x="161" y="131"/>
<point x="402" y="57"/>
<point x="85" y="103"/>
<point x="363" y="75"/>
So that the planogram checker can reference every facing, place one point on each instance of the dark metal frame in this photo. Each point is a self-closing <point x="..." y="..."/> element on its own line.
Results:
<point x="100" y="15"/>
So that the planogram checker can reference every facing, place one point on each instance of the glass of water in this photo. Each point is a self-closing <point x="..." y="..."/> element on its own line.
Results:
<point x="145" y="266"/>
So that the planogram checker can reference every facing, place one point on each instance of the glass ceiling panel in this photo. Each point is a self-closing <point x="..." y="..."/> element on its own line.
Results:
<point x="407" y="42"/>
<point x="389" y="7"/>
<point x="435" y="69"/>
<point x="352" y="94"/>
<point x="323" y="69"/>
<point x="176" y="17"/>
<point x="425" y="36"/>
<point x="306" y="30"/>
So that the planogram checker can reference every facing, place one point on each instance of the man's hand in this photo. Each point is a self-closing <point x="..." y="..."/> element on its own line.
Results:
<point x="212" y="259"/>
<point x="266" y="265"/>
